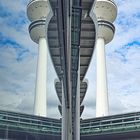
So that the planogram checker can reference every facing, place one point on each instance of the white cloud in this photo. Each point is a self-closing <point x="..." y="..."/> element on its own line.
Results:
<point x="16" y="6"/>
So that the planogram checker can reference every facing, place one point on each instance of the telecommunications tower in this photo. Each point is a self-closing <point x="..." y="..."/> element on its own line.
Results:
<point x="106" y="12"/>
<point x="39" y="13"/>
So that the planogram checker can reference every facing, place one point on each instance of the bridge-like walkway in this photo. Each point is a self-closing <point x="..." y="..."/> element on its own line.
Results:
<point x="18" y="126"/>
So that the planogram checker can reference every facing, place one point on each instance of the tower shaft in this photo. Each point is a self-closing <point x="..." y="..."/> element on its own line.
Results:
<point x="40" y="13"/>
<point x="41" y="80"/>
<point x="106" y="12"/>
<point x="101" y="93"/>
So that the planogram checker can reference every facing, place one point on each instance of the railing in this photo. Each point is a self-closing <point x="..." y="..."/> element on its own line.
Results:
<point x="29" y="123"/>
<point x="111" y="124"/>
<point x="105" y="125"/>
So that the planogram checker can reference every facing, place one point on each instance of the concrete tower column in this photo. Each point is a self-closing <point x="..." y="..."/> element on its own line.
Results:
<point x="41" y="80"/>
<point x="105" y="35"/>
<point x="101" y="89"/>
<point x="38" y="34"/>
<point x="39" y="13"/>
<point x="106" y="12"/>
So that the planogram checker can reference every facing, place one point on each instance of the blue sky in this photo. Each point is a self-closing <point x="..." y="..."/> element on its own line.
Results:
<point x="18" y="59"/>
